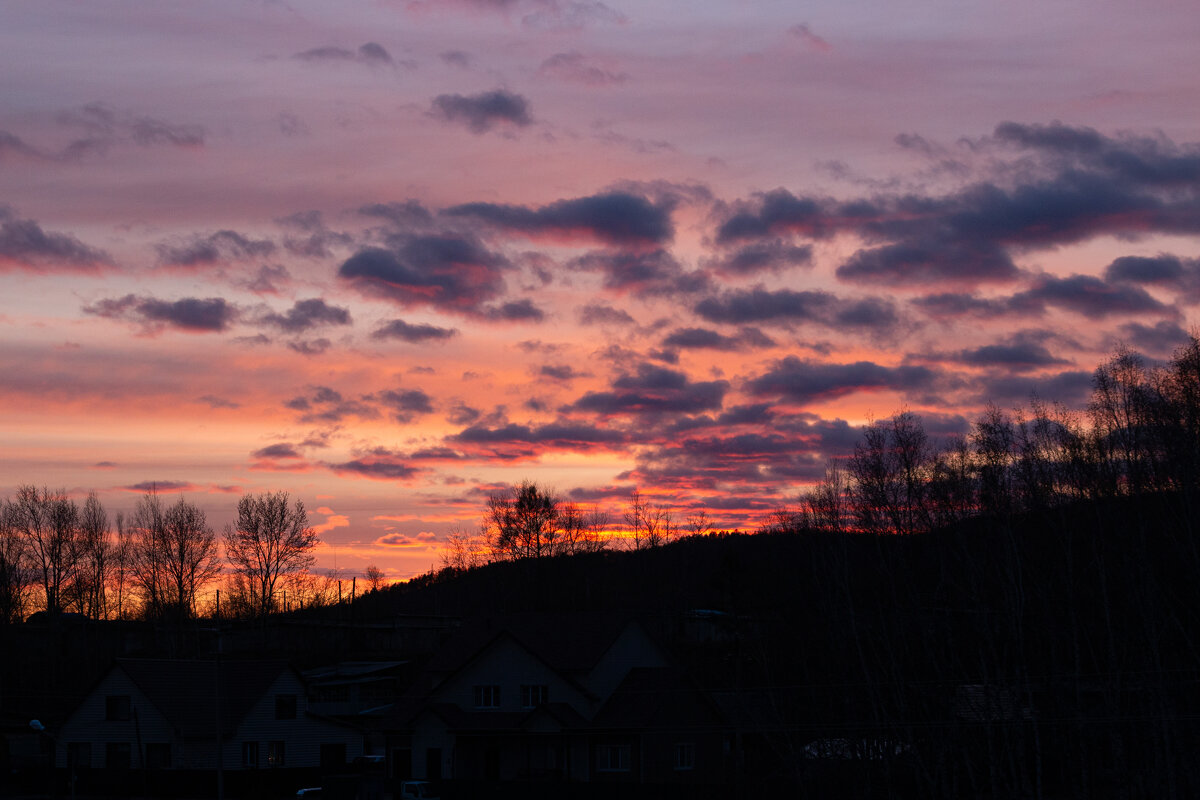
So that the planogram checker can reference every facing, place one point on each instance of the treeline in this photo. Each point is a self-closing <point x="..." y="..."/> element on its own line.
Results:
<point x="1140" y="433"/>
<point x="158" y="562"/>
<point x="529" y="521"/>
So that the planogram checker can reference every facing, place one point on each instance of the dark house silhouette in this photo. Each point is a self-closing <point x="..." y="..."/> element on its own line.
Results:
<point x="172" y="716"/>
<point x="557" y="698"/>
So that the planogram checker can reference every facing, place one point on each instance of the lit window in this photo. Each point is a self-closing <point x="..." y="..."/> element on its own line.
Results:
<point x="275" y="754"/>
<point x="487" y="696"/>
<point x="612" y="758"/>
<point x="685" y="755"/>
<point x="534" y="695"/>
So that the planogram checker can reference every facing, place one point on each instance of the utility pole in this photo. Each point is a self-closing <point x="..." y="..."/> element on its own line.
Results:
<point x="217" y="702"/>
<point x="220" y="744"/>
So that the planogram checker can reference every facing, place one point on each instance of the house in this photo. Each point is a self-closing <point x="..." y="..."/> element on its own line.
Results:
<point x="189" y="717"/>
<point x="553" y="698"/>
<point x="658" y="728"/>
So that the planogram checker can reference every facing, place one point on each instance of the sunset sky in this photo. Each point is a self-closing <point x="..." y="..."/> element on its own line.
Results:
<point x="392" y="256"/>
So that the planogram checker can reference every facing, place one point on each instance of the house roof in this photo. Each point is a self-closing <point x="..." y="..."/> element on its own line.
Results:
<point x="350" y="671"/>
<point x="461" y="721"/>
<point x="569" y="643"/>
<point x="185" y="692"/>
<point x="651" y="697"/>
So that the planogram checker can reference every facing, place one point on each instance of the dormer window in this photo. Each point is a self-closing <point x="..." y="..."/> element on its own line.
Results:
<point x="487" y="696"/>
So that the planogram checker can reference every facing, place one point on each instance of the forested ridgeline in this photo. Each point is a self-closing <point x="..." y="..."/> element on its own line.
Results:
<point x="1054" y="647"/>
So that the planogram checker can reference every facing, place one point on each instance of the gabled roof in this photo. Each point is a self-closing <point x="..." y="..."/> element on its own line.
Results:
<point x="651" y="698"/>
<point x="185" y="692"/>
<point x="351" y="671"/>
<point x="569" y="643"/>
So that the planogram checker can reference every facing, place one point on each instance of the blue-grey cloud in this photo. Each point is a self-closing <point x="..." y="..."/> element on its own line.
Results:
<point x="1019" y="355"/>
<point x="307" y="314"/>
<point x="574" y="67"/>
<point x="377" y="468"/>
<point x="372" y="54"/>
<point x="324" y="404"/>
<point x="24" y="244"/>
<point x="412" y="333"/>
<point x="654" y="272"/>
<point x="310" y="347"/>
<point x="654" y="390"/>
<point x="772" y="255"/>
<point x="707" y="339"/>
<point x="448" y="272"/>
<point x="407" y="215"/>
<point x="213" y="248"/>
<point x="1161" y="269"/>
<point x="807" y="381"/>
<point x="600" y="314"/>
<point x="1162" y="337"/>
<point x="1090" y="296"/>
<point x="764" y="306"/>
<point x="405" y="404"/>
<point x="1071" y="387"/>
<point x="618" y="218"/>
<point x="1064" y="186"/>
<point x="281" y="450"/>
<point x="203" y="315"/>
<point x="522" y="310"/>
<point x="483" y="112"/>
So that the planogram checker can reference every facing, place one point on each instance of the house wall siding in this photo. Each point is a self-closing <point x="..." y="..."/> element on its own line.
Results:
<point x="87" y="723"/>
<point x="302" y="736"/>
<point x="507" y="665"/>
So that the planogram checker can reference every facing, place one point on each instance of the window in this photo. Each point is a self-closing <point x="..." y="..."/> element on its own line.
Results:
<point x="487" y="696"/>
<point x="275" y="754"/>
<point x="116" y="755"/>
<point x="612" y="758"/>
<point x="534" y="695"/>
<point x="158" y="755"/>
<point x="250" y="754"/>
<point x="285" y="706"/>
<point x="685" y="755"/>
<point x="116" y="708"/>
<point x="79" y="754"/>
